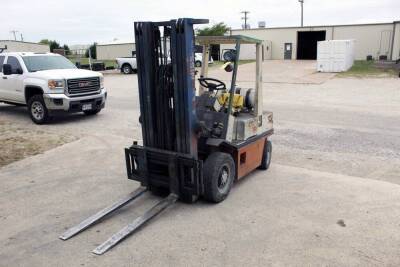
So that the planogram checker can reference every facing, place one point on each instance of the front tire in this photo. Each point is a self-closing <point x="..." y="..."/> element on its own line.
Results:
<point x="267" y="155"/>
<point x="37" y="109"/>
<point x="127" y="69"/>
<point x="219" y="174"/>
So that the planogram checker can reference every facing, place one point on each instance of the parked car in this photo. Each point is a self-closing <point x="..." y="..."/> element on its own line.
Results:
<point x="198" y="60"/>
<point x="48" y="84"/>
<point x="128" y="65"/>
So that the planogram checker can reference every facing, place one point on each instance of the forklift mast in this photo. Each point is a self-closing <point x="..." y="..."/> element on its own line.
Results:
<point x="165" y="62"/>
<point x="166" y="78"/>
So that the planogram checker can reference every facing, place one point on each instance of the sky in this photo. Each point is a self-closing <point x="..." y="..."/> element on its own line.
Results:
<point x="87" y="21"/>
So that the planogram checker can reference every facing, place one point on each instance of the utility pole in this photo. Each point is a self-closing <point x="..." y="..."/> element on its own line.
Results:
<point x="14" y="32"/>
<point x="22" y="38"/>
<point x="245" y="18"/>
<point x="301" y="3"/>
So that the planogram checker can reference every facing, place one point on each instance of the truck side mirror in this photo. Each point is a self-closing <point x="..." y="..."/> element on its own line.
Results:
<point x="7" y="69"/>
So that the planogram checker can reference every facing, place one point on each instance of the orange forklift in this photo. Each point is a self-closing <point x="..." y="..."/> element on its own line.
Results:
<point x="196" y="143"/>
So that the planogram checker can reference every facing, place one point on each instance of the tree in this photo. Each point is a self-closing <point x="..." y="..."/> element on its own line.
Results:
<point x="92" y="51"/>
<point x="44" y="41"/>
<point x="67" y="50"/>
<point x="215" y="30"/>
<point x="51" y="43"/>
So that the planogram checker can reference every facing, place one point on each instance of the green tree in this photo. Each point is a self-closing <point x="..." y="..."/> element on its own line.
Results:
<point x="92" y="51"/>
<point x="215" y="30"/>
<point x="44" y="41"/>
<point x="67" y="50"/>
<point x="51" y="43"/>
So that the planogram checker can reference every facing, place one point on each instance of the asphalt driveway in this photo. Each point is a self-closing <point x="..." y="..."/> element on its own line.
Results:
<point x="330" y="198"/>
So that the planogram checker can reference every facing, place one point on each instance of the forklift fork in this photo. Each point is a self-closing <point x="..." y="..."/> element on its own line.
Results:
<point x="127" y="230"/>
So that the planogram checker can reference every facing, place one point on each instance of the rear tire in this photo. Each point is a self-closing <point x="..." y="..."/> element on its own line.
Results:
<point x="126" y="69"/>
<point x="219" y="174"/>
<point x="267" y="155"/>
<point x="38" y="110"/>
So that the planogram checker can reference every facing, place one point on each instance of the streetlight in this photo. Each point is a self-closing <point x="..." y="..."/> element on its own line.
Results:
<point x="301" y="3"/>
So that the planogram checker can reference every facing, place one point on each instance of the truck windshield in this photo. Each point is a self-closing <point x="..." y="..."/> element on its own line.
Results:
<point x="38" y="63"/>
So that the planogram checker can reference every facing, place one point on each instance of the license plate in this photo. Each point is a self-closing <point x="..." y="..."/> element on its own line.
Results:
<point x="86" y="107"/>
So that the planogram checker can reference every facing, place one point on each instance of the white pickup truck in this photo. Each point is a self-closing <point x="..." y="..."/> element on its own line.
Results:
<point x="128" y="65"/>
<point x="49" y="84"/>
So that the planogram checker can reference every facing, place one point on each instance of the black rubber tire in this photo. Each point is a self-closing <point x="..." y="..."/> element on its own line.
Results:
<point x="215" y="165"/>
<point x="92" y="112"/>
<point x="197" y="64"/>
<point x="38" y="100"/>
<point x="126" y="69"/>
<point x="267" y="156"/>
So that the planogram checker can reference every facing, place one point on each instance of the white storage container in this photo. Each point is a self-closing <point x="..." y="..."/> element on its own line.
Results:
<point x="335" y="55"/>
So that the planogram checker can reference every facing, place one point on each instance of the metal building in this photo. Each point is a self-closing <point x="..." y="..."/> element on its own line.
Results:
<point x="114" y="50"/>
<point x="18" y="46"/>
<point x="379" y="40"/>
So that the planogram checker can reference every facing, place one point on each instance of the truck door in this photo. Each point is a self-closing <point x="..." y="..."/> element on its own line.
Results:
<point x="2" y="58"/>
<point x="14" y="83"/>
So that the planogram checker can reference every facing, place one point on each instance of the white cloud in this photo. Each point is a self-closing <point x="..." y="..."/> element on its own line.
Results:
<point x="77" y="21"/>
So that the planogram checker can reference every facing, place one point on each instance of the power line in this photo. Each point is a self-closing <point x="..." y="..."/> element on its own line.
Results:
<point x="245" y="18"/>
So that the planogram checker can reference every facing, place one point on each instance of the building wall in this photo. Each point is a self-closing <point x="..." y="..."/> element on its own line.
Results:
<point x="396" y="45"/>
<point x="279" y="37"/>
<point x="370" y="39"/>
<point x="113" y="51"/>
<point x="16" y="46"/>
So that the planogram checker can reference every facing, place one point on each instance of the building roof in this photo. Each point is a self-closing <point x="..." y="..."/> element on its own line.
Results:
<point x="117" y="42"/>
<point x="14" y="41"/>
<point x="318" y="26"/>
<point x="232" y="39"/>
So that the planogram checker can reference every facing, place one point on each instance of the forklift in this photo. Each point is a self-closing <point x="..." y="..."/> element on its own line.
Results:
<point x="196" y="143"/>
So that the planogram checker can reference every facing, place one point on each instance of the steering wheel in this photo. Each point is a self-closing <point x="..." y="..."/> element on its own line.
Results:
<point x="212" y="84"/>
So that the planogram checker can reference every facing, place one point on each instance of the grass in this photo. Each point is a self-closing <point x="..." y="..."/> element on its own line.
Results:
<point x="19" y="142"/>
<point x="85" y="61"/>
<point x="362" y="68"/>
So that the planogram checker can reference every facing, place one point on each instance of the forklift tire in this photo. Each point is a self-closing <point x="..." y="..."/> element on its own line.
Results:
<point x="219" y="173"/>
<point x="267" y="154"/>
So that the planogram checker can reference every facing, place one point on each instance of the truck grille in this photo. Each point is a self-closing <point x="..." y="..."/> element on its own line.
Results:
<point x="83" y="86"/>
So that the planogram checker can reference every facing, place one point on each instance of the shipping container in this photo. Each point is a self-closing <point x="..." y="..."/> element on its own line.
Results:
<point x="335" y="55"/>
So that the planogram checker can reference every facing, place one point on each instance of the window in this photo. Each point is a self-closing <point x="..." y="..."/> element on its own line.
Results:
<point x="1" y="63"/>
<point x="38" y="63"/>
<point x="15" y="66"/>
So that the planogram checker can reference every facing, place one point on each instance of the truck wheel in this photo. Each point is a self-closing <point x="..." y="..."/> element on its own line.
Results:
<point x="198" y="63"/>
<point x="127" y="69"/>
<point x="92" y="112"/>
<point x="219" y="173"/>
<point x="267" y="154"/>
<point x="37" y="109"/>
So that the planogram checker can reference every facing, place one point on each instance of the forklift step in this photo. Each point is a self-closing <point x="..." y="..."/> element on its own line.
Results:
<point x="101" y="214"/>
<point x="130" y="228"/>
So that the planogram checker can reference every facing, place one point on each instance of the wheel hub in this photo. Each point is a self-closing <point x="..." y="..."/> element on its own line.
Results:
<point x="223" y="178"/>
<point x="37" y="110"/>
